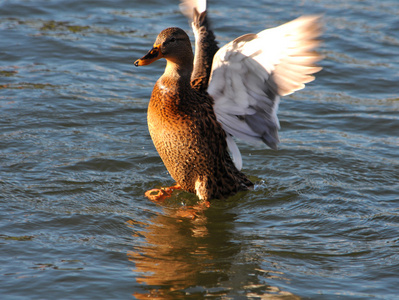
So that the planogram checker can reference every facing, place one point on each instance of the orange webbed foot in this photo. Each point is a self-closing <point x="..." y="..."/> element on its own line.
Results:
<point x="162" y="193"/>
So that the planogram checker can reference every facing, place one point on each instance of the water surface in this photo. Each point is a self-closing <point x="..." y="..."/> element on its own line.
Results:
<point x="76" y="158"/>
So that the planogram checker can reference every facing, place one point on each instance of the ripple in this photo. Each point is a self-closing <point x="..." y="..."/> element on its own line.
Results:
<point x="76" y="158"/>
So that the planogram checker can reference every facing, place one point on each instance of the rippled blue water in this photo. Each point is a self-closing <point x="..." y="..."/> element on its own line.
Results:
<point x="76" y="158"/>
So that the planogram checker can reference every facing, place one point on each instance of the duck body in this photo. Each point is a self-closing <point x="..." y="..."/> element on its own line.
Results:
<point x="190" y="140"/>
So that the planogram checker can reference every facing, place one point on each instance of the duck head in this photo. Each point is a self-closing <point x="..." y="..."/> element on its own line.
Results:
<point x="173" y="44"/>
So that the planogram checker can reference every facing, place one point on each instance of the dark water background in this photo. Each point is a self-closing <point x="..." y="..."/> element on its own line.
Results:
<point x="76" y="158"/>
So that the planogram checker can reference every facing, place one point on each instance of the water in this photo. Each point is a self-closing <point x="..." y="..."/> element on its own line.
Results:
<point x="76" y="158"/>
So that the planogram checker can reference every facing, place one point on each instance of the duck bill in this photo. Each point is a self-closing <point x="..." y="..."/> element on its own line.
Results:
<point x="152" y="55"/>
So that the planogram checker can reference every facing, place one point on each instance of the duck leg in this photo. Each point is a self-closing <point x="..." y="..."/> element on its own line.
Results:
<point x="161" y="193"/>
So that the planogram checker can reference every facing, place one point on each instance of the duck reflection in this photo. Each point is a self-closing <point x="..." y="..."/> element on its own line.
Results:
<point x="179" y="253"/>
<point x="178" y="258"/>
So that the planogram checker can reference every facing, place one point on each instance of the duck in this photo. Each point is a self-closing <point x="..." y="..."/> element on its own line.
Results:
<point x="204" y="99"/>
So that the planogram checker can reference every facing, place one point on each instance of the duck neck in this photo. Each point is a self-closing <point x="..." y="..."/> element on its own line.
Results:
<point x="178" y="72"/>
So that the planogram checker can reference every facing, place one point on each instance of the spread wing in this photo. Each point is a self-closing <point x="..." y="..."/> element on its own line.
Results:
<point x="205" y="43"/>
<point x="251" y="73"/>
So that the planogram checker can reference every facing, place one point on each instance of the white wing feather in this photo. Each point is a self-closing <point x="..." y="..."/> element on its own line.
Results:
<point x="187" y="7"/>
<point x="251" y="73"/>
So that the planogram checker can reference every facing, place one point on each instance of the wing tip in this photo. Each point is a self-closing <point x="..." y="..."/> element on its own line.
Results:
<point x="187" y="7"/>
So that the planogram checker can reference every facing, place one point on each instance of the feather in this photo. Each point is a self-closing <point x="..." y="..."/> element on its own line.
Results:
<point x="251" y="73"/>
<point x="187" y="7"/>
<point x="235" y="152"/>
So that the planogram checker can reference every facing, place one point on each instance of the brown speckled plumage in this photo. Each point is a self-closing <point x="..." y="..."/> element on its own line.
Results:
<point x="191" y="142"/>
<point x="183" y="125"/>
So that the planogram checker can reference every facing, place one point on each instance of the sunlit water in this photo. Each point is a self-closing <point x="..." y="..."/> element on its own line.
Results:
<point x="76" y="158"/>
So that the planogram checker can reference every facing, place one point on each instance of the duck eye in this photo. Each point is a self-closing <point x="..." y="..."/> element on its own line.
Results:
<point x="173" y="40"/>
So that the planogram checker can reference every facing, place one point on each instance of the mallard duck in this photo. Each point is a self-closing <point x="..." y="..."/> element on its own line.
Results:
<point x="202" y="100"/>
